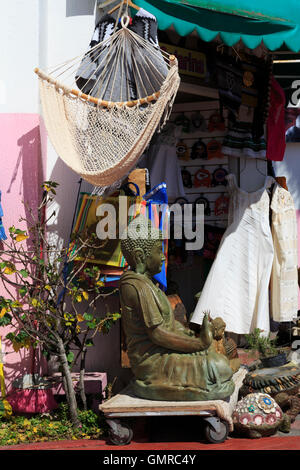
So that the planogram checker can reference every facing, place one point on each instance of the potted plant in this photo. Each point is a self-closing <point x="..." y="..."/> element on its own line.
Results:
<point x="269" y="354"/>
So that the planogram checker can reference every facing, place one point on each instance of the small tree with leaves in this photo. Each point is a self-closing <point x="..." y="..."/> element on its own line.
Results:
<point x="52" y="295"/>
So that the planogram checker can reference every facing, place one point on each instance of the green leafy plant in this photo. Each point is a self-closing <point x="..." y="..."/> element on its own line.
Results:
<point x="53" y="296"/>
<point x="50" y="427"/>
<point x="265" y="346"/>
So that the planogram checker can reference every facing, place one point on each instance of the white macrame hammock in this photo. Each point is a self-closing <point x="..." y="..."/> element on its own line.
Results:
<point x="102" y="135"/>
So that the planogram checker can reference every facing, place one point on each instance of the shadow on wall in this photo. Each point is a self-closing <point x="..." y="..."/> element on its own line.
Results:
<point x="30" y="159"/>
<point x="78" y="7"/>
<point x="23" y="183"/>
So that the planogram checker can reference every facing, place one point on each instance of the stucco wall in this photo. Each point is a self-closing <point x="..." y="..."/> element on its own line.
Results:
<point x="41" y="33"/>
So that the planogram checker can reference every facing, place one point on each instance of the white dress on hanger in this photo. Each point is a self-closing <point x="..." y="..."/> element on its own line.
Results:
<point x="284" y="279"/>
<point x="237" y="287"/>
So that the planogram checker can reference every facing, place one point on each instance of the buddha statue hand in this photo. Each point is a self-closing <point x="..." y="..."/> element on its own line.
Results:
<point x="206" y="333"/>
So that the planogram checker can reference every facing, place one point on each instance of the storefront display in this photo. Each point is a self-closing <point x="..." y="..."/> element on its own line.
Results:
<point x="244" y="258"/>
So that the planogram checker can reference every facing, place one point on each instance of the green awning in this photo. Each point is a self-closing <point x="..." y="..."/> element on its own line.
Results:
<point x="252" y="21"/>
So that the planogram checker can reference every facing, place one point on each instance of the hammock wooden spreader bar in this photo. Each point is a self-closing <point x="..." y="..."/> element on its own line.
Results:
<point x="102" y="108"/>
<point x="97" y="101"/>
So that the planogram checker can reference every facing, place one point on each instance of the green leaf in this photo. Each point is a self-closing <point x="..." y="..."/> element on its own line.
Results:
<point x="88" y="316"/>
<point x="24" y="273"/>
<point x="89" y="342"/>
<point x="3" y="265"/>
<point x="70" y="357"/>
<point x="5" y="320"/>
<point x="23" y="291"/>
<point x="10" y="336"/>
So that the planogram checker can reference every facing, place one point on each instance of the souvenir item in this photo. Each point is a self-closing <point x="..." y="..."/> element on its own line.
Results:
<point x="183" y="121"/>
<point x="205" y="202"/>
<point x="221" y="344"/>
<point x="199" y="150"/>
<point x="250" y="85"/>
<point x="221" y="205"/>
<point x="216" y="123"/>
<point x="156" y="209"/>
<point x="214" y="149"/>
<point x="248" y="78"/>
<point x="258" y="415"/>
<point x="181" y="201"/>
<point x="186" y="178"/>
<point x="240" y="142"/>
<point x="272" y="380"/>
<point x="180" y="367"/>
<point x="198" y="122"/>
<point x="244" y="259"/>
<point x="202" y="178"/>
<point x="212" y="238"/>
<point x="230" y="80"/>
<point x="219" y="177"/>
<point x="182" y="150"/>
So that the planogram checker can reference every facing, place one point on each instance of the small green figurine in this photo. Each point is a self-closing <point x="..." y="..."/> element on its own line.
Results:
<point x="167" y="360"/>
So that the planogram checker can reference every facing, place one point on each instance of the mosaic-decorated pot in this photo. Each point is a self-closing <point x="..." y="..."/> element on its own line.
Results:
<point x="258" y="415"/>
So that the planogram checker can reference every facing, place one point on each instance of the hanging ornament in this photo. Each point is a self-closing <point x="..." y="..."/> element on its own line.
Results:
<point x="219" y="177"/>
<point x="216" y="123"/>
<point x="222" y="205"/>
<point x="214" y="149"/>
<point x="183" y="121"/>
<point x="182" y="150"/>
<point x="202" y="178"/>
<point x="198" y="122"/>
<point x="205" y="202"/>
<point x="199" y="150"/>
<point x="186" y="178"/>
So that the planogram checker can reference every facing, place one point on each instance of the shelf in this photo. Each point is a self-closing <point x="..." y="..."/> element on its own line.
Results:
<point x="204" y="189"/>
<point x="202" y="161"/>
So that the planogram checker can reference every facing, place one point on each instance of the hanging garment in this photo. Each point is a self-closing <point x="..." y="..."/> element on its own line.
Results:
<point x="241" y="271"/>
<point x="284" y="279"/>
<point x="276" y="123"/>
<point x="229" y="76"/>
<point x="239" y="141"/>
<point x="162" y="162"/>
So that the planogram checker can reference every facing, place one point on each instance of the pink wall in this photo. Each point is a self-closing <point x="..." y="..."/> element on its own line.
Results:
<point x="298" y="220"/>
<point x="21" y="175"/>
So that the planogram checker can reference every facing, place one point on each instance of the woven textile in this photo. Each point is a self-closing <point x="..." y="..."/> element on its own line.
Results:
<point x="103" y="144"/>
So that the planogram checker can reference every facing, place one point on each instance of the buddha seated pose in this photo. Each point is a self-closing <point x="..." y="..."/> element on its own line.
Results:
<point x="168" y="361"/>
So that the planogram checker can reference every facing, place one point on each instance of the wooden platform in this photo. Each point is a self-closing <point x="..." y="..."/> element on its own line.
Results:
<point x="126" y="404"/>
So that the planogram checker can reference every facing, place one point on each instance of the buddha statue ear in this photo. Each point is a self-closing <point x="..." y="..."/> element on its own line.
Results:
<point x="138" y="254"/>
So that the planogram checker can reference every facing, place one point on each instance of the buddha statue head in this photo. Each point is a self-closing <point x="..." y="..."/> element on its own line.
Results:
<point x="142" y="246"/>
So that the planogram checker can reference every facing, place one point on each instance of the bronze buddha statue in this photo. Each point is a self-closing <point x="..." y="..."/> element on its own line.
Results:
<point x="168" y="361"/>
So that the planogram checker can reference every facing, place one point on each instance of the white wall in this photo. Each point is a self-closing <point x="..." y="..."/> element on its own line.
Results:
<point x="19" y="39"/>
